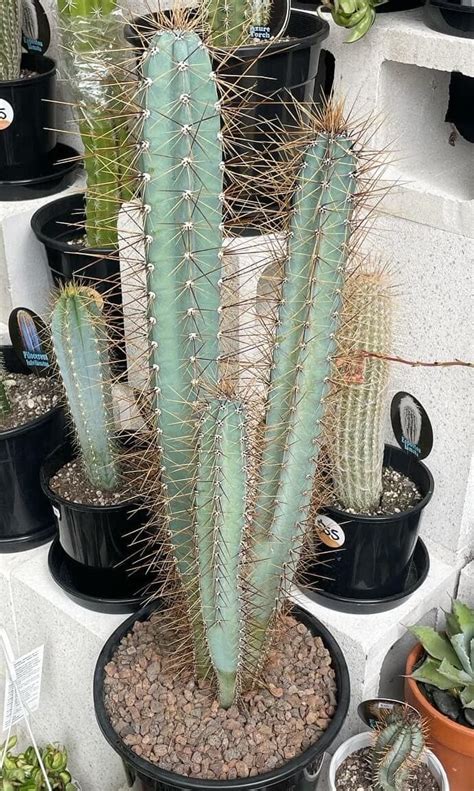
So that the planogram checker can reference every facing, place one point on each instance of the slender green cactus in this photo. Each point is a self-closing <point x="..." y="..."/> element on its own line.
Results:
<point x="5" y="406"/>
<point x="184" y="182"/>
<point x="357" y="445"/>
<point x="230" y="20"/>
<point x="220" y="524"/>
<point x="279" y="547"/>
<point x="95" y="43"/>
<point x="398" y="747"/>
<point x="80" y="343"/>
<point x="10" y="40"/>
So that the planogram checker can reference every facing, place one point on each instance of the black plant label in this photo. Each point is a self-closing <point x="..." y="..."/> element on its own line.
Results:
<point x="411" y="425"/>
<point x="276" y="23"/>
<point x="29" y="338"/>
<point x="375" y="710"/>
<point x="36" y="28"/>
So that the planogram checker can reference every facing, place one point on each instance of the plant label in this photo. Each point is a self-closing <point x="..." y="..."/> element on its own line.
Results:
<point x="23" y="694"/>
<point x="411" y="425"/>
<point x="7" y="114"/>
<point x="36" y="35"/>
<point x="329" y="532"/>
<point x="276" y="22"/>
<point x="28" y="334"/>
<point x="375" y="710"/>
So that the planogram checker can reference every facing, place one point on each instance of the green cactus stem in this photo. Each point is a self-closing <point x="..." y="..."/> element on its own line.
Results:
<point x="277" y="553"/>
<point x="10" y="40"/>
<point x="220" y="522"/>
<point x="5" y="406"/>
<point x="80" y="343"/>
<point x="231" y="20"/>
<point x="357" y="444"/>
<point x="183" y="189"/>
<point x="398" y="747"/>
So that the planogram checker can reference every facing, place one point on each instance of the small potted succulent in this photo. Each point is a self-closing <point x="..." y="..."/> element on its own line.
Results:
<point x="31" y="426"/>
<point x="85" y="482"/>
<point x="29" y="152"/>
<point x="23" y="772"/>
<point x="378" y="492"/>
<point x="439" y="683"/>
<point x="393" y="757"/>
<point x="358" y="16"/>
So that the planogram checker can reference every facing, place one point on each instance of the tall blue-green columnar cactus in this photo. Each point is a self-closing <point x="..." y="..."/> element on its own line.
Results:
<point x="235" y="557"/>
<point x="80" y="342"/>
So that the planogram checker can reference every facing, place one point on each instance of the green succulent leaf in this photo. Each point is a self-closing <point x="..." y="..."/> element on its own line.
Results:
<point x="458" y="677"/>
<point x="429" y="673"/>
<point x="462" y="650"/>
<point x="464" y="616"/>
<point x="467" y="696"/>
<point x="435" y="644"/>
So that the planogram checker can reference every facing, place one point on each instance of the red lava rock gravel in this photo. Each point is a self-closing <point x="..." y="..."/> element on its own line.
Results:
<point x="177" y="724"/>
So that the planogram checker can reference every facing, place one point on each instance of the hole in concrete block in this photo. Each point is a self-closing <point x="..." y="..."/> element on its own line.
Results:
<point x="430" y="152"/>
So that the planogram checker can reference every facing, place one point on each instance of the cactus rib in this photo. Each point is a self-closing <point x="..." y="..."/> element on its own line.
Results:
<point x="80" y="344"/>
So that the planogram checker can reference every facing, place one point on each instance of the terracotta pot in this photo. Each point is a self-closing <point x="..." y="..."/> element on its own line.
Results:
<point x="452" y="743"/>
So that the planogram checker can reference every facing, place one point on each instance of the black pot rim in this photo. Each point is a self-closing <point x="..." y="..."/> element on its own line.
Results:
<point x="42" y="215"/>
<point x="266" y="48"/>
<point x="292" y="767"/>
<point x="14" y="432"/>
<point x="383" y="519"/>
<point x="50" y="70"/>
<point x="452" y="7"/>
<point x="81" y="507"/>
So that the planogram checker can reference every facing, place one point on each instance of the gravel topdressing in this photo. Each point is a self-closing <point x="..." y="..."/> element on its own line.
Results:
<point x="30" y="397"/>
<point x="171" y="721"/>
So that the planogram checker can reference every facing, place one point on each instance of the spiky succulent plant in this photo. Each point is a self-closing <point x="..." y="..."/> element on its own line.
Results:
<point x="234" y="570"/>
<point x="398" y="746"/>
<point x="449" y="662"/>
<point x="10" y="39"/>
<point x="230" y="22"/>
<point x="23" y="772"/>
<point x="5" y="406"/>
<point x="81" y="348"/>
<point x="358" y="16"/>
<point x="359" y="404"/>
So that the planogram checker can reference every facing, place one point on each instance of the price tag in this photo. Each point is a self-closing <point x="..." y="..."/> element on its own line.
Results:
<point x="28" y="670"/>
<point x="329" y="532"/>
<point x="6" y="114"/>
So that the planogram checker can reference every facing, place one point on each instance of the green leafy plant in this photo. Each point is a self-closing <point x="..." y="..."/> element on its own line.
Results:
<point x="359" y="404"/>
<point x="93" y="37"/>
<point x="236" y="545"/>
<point x="358" y="16"/>
<point x="81" y="347"/>
<point x="5" y="406"/>
<point x="10" y="39"/>
<point x="398" y="747"/>
<point x="231" y="22"/>
<point x="449" y="662"/>
<point x="23" y="772"/>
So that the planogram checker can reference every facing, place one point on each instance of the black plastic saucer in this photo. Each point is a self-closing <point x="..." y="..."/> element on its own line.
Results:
<point x="23" y="543"/>
<point x="60" y="174"/>
<point x="419" y="568"/>
<point x="112" y="592"/>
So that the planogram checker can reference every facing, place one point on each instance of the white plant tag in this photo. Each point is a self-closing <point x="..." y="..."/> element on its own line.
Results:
<point x="28" y="669"/>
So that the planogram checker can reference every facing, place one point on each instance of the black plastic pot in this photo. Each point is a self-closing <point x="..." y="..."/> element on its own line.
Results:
<point x="286" y="778"/>
<point x="59" y="225"/>
<point x="91" y="535"/>
<point x="452" y="18"/>
<point x="374" y="560"/>
<point x="28" y="141"/>
<point x="26" y="516"/>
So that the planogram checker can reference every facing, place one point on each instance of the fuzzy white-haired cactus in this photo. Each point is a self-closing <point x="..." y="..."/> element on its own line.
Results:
<point x="10" y="39"/>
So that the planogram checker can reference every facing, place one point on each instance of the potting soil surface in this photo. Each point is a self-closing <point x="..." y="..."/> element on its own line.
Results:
<point x="399" y="494"/>
<point x="168" y="719"/>
<point x="30" y="397"/>
<point x="355" y="774"/>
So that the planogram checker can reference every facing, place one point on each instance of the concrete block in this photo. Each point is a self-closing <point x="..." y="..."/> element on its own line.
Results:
<point x="365" y="640"/>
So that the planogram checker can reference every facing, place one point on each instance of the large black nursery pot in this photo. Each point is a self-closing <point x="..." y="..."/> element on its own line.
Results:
<point x="59" y="226"/>
<point x="26" y="516"/>
<point x="95" y="537"/>
<point x="375" y="558"/>
<point x="149" y="777"/>
<point x="28" y="120"/>
<point x="453" y="17"/>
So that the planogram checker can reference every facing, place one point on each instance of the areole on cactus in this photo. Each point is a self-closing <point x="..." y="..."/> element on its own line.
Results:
<point x="81" y="348"/>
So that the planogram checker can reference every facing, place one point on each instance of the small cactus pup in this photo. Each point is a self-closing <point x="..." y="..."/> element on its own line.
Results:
<point x="10" y="39"/>
<point x="399" y="743"/>
<point x="359" y="404"/>
<point x="81" y="348"/>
